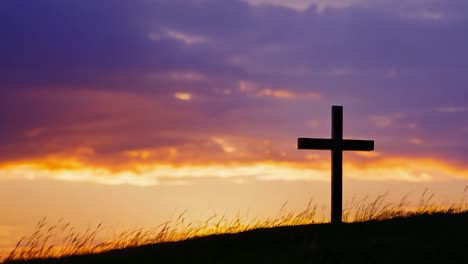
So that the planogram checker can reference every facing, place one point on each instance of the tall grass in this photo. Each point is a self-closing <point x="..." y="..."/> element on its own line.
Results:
<point x="61" y="239"/>
<point x="380" y="208"/>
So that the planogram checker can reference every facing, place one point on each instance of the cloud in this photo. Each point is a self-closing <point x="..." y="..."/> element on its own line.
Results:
<point x="452" y="109"/>
<point x="254" y="90"/>
<point x="381" y="121"/>
<point x="380" y="169"/>
<point x="385" y="120"/>
<point x="303" y="5"/>
<point x="183" y="96"/>
<point x="227" y="148"/>
<point x="116" y="54"/>
<point x="412" y="125"/>
<point x="112" y="77"/>
<point x="186" y="76"/>
<point x="416" y="141"/>
<point x="185" y="38"/>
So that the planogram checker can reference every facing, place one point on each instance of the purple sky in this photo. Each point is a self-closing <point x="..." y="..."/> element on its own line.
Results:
<point x="401" y="66"/>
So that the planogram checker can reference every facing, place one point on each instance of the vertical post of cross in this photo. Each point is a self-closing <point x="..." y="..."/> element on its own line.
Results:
<point x="337" y="165"/>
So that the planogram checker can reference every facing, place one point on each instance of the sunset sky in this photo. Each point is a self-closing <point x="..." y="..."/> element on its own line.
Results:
<point x="132" y="111"/>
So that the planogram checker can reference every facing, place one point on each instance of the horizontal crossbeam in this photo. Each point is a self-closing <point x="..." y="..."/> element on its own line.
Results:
<point x="330" y="144"/>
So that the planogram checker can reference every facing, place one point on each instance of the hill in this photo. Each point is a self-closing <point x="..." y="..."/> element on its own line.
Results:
<point x="428" y="238"/>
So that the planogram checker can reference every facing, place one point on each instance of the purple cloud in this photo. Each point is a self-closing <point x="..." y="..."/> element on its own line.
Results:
<point x="376" y="59"/>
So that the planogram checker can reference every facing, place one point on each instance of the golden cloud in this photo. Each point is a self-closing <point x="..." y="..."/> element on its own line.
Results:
<point x="183" y="96"/>
<point x="253" y="89"/>
<point x="157" y="173"/>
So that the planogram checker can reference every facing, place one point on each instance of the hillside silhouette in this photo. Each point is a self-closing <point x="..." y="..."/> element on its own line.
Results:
<point x="427" y="238"/>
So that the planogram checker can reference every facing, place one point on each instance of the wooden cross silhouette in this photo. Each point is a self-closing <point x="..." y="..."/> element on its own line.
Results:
<point x="337" y="145"/>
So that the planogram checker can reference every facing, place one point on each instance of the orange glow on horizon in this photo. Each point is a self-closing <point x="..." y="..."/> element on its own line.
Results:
<point x="149" y="173"/>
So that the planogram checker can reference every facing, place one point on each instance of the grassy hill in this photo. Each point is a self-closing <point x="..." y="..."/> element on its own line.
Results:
<point x="428" y="238"/>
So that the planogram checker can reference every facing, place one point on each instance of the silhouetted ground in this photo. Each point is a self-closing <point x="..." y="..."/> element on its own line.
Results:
<point x="438" y="238"/>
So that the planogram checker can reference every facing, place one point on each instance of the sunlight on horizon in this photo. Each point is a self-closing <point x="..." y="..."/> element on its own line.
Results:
<point x="149" y="174"/>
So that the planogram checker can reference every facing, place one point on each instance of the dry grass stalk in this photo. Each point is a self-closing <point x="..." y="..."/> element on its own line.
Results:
<point x="61" y="239"/>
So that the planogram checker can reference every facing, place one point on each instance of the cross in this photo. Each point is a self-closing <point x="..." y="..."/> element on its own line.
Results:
<point x="337" y="145"/>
